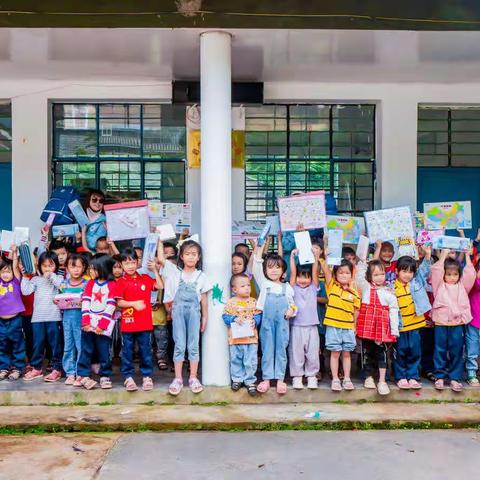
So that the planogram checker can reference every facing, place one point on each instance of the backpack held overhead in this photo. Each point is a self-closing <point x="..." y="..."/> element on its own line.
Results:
<point x="58" y="205"/>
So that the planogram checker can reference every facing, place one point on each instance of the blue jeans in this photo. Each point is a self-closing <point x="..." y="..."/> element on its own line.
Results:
<point x="472" y="342"/>
<point x="144" y="340"/>
<point x="186" y="331"/>
<point x="12" y="344"/>
<point x="100" y="344"/>
<point x="449" y="344"/>
<point x="243" y="363"/>
<point x="46" y="333"/>
<point x="274" y="336"/>
<point x="72" y="340"/>
<point x="160" y="332"/>
<point x="407" y="355"/>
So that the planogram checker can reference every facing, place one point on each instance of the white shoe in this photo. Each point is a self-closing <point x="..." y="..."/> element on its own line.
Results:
<point x="312" y="382"/>
<point x="297" y="383"/>
<point x="382" y="388"/>
<point x="369" y="383"/>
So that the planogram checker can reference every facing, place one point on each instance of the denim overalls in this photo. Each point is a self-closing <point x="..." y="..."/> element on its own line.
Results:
<point x="186" y="321"/>
<point x="274" y="335"/>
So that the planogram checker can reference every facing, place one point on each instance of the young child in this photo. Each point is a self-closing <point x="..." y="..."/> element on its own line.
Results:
<point x="46" y="318"/>
<point x="243" y="249"/>
<point x="72" y="317"/>
<point x="239" y="263"/>
<point x="276" y="302"/>
<point x="340" y="319"/>
<point x="116" y="346"/>
<point x="98" y="307"/>
<point x="384" y="252"/>
<point x="410" y="290"/>
<point x="133" y="294"/>
<point x="378" y="321"/>
<point x="187" y="287"/>
<point x="304" y="344"/>
<point x="450" y="312"/>
<point x="12" y="344"/>
<point x="61" y="250"/>
<point x="472" y="332"/>
<point x="241" y="308"/>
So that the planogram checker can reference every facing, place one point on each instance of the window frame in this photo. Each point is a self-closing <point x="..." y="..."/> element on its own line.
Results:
<point x="331" y="160"/>
<point x="97" y="159"/>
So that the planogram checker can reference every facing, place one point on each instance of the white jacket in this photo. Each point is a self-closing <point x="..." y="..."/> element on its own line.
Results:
<point x="385" y="295"/>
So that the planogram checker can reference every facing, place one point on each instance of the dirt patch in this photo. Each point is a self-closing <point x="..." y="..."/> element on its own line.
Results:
<point x="53" y="457"/>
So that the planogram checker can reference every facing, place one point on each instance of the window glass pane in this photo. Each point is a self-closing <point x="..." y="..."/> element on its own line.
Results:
<point x="432" y="113"/>
<point x="119" y="111"/>
<point x="80" y="175"/>
<point x="75" y="138"/>
<point x="432" y="160"/>
<point x="119" y="137"/>
<point x="75" y="110"/>
<point x="163" y="142"/>
<point x="353" y="186"/>
<point x="5" y="133"/>
<point x="465" y="160"/>
<point x="120" y="180"/>
<point x="165" y="181"/>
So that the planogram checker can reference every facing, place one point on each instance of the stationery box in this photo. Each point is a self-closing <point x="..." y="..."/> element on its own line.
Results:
<point x="68" y="301"/>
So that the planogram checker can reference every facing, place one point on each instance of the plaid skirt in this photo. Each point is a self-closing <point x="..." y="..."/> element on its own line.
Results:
<point x="374" y="321"/>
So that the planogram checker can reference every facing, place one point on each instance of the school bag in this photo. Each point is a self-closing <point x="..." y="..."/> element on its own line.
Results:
<point x="58" y="205"/>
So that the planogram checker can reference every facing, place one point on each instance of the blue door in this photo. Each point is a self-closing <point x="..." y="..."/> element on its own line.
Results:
<point x="5" y="196"/>
<point x="444" y="184"/>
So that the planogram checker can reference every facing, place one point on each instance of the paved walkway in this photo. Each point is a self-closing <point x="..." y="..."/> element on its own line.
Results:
<point x="373" y="455"/>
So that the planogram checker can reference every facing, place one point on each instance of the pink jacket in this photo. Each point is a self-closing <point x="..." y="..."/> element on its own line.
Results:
<point x="475" y="303"/>
<point x="451" y="305"/>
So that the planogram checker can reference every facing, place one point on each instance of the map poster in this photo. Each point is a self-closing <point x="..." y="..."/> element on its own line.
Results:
<point x="306" y="209"/>
<point x="177" y="214"/>
<point x="389" y="224"/>
<point x="448" y="215"/>
<point x="352" y="227"/>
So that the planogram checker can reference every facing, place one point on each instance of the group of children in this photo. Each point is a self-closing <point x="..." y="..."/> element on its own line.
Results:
<point x="422" y="315"/>
<point x="418" y="315"/>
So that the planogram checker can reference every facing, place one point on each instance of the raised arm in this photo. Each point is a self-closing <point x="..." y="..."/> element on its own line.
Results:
<point x="84" y="239"/>
<point x="438" y="272"/>
<point x="293" y="266"/>
<point x="160" y="253"/>
<point x="112" y="247"/>
<point x="280" y="243"/>
<point x="378" y="248"/>
<point x="257" y="268"/>
<point x="325" y="267"/>
<point x="16" y="268"/>
<point x="315" y="272"/>
<point x="152" y="266"/>
<point x="468" y="275"/>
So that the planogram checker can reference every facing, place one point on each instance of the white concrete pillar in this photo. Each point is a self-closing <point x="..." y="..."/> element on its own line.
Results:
<point x="397" y="146"/>
<point x="216" y="205"/>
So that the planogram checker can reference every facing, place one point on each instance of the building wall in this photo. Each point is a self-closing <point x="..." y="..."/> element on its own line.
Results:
<point x="396" y="131"/>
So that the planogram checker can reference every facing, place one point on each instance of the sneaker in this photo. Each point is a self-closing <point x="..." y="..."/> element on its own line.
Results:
<point x="312" y="383"/>
<point x="473" y="382"/>
<point x="369" y="383"/>
<point x="251" y="389"/>
<point x="348" y="385"/>
<point x="70" y="380"/>
<point x="32" y="375"/>
<point x="53" y="376"/>
<point x="78" y="382"/>
<point x="3" y="374"/>
<point x="336" y="386"/>
<point x="297" y="383"/>
<point x="382" y="388"/>
<point x="236" y="386"/>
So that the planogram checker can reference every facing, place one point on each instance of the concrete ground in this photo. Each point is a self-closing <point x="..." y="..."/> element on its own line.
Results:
<point x="372" y="455"/>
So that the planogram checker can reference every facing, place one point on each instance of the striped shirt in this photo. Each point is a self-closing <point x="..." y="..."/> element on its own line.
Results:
<point x="410" y="320"/>
<point x="45" y="289"/>
<point x="341" y="306"/>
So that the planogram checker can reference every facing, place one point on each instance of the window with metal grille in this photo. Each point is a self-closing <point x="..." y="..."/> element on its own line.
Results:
<point x="300" y="148"/>
<point x="130" y="151"/>
<point x="448" y="136"/>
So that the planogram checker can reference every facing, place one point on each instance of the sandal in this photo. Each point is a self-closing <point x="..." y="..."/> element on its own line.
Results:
<point x="369" y="383"/>
<point x="78" y="382"/>
<point x="263" y="386"/>
<point x="236" y="386"/>
<point x="403" y="384"/>
<point x="439" y="384"/>
<point x="195" y="385"/>
<point x="162" y="364"/>
<point x="130" y="385"/>
<point x="414" y="384"/>
<point x="281" y="387"/>
<point x="252" y="390"/>
<point x="456" y="386"/>
<point x="336" y="386"/>
<point x="175" y="387"/>
<point x="105" y="383"/>
<point x="88" y="383"/>
<point x="473" y="382"/>
<point x="3" y="374"/>
<point x="348" y="385"/>
<point x="14" y="374"/>
<point x="147" y="384"/>
<point x="70" y="380"/>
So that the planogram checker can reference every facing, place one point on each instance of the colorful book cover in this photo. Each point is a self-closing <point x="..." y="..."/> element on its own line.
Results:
<point x="352" y="227"/>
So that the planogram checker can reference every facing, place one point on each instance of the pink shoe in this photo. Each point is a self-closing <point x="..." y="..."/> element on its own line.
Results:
<point x="70" y="380"/>
<point x="32" y="375"/>
<point x="53" y="376"/>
